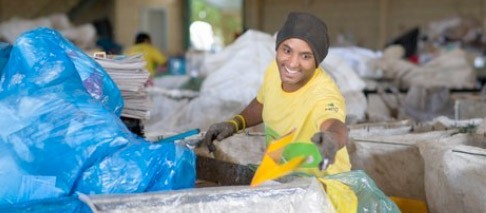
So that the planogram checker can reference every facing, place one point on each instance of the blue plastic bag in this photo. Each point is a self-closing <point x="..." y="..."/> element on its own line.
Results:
<point x="61" y="204"/>
<point x="42" y="54"/>
<point x="4" y="54"/>
<point x="60" y="123"/>
<point x="140" y="167"/>
<point x="52" y="126"/>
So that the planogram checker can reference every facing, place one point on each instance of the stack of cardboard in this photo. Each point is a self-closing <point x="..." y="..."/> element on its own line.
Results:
<point x="130" y="75"/>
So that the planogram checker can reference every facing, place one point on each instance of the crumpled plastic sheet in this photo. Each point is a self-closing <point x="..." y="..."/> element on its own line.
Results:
<point x="370" y="197"/>
<point x="61" y="204"/>
<point x="299" y="196"/>
<point x="61" y="133"/>
<point x="53" y="127"/>
<point x="5" y="49"/>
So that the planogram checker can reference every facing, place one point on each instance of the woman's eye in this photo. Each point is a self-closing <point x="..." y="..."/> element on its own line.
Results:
<point x="306" y="57"/>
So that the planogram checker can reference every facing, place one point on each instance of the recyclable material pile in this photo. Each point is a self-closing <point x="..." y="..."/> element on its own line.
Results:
<point x="130" y="75"/>
<point x="62" y="137"/>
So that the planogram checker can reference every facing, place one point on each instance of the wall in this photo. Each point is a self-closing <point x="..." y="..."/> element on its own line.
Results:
<point x="372" y="22"/>
<point x="125" y="15"/>
<point x="128" y="16"/>
<point x="28" y="9"/>
<point x="95" y="10"/>
<point x="33" y="9"/>
<point x="78" y="11"/>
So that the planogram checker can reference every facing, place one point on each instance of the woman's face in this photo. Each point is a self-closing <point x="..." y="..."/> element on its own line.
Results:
<point x="296" y="63"/>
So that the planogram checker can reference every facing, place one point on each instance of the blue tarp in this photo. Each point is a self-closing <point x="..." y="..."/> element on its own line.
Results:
<point x="61" y="133"/>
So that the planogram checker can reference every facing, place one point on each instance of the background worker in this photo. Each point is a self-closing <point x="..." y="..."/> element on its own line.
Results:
<point x="154" y="58"/>
<point x="298" y="95"/>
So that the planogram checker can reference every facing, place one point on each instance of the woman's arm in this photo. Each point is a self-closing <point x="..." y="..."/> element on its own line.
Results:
<point x="252" y="114"/>
<point x="337" y="129"/>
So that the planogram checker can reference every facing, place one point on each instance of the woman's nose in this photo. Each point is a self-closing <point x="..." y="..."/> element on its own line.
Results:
<point x="293" y="60"/>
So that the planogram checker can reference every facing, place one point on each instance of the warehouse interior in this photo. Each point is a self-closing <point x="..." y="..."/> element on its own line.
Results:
<point x="88" y="125"/>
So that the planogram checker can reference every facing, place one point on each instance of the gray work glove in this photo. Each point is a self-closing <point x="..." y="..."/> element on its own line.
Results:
<point x="328" y="147"/>
<point x="218" y="131"/>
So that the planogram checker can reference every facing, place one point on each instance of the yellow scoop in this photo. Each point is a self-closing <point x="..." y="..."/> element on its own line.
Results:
<point x="269" y="168"/>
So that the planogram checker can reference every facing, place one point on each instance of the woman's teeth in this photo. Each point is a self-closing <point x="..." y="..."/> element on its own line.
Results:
<point x="290" y="71"/>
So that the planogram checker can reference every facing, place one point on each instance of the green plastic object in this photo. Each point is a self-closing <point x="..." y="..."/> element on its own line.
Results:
<point x="299" y="149"/>
<point x="370" y="197"/>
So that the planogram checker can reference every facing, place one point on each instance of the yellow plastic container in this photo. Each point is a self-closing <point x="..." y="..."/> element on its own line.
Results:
<point x="407" y="205"/>
<point x="270" y="168"/>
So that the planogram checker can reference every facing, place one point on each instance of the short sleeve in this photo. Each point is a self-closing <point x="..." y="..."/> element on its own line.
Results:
<point x="332" y="107"/>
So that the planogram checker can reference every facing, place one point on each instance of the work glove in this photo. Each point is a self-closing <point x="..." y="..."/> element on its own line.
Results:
<point x="218" y="131"/>
<point x="328" y="147"/>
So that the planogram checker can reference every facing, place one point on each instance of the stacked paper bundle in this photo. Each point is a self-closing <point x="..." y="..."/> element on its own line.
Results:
<point x="130" y="75"/>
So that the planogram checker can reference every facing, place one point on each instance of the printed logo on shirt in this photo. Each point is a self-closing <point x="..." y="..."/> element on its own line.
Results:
<point x="331" y="107"/>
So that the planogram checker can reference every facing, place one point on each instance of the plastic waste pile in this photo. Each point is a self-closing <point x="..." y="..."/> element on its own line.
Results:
<point x="61" y="133"/>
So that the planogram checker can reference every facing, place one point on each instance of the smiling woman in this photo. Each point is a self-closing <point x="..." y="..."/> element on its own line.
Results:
<point x="296" y="64"/>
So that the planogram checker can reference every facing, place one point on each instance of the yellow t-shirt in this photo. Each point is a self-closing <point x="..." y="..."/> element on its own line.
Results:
<point x="303" y="111"/>
<point x="152" y="56"/>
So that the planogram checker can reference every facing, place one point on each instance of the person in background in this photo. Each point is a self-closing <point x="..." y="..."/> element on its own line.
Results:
<point x="297" y="95"/>
<point x="154" y="58"/>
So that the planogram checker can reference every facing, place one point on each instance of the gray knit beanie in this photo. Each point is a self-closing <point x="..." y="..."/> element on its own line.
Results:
<point x="308" y="28"/>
